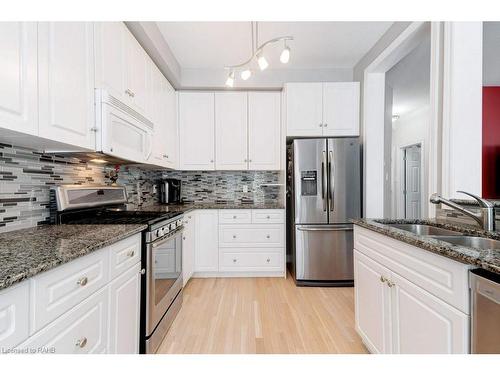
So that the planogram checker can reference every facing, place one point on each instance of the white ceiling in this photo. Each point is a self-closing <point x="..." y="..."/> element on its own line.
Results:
<point x="316" y="45"/>
<point x="410" y="80"/>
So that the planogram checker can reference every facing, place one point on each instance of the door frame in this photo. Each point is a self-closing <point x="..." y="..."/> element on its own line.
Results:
<point x="374" y="113"/>
<point x="400" y="197"/>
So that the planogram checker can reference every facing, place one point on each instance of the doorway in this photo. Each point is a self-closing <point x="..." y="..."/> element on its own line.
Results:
<point x="411" y="187"/>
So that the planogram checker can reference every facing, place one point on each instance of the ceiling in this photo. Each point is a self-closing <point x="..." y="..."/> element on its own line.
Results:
<point x="316" y="45"/>
<point x="410" y="80"/>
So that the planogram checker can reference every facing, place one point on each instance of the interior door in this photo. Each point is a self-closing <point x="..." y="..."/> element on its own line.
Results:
<point x="231" y="127"/>
<point x="344" y="180"/>
<point x="413" y="186"/>
<point x="310" y="179"/>
<point x="18" y="77"/>
<point x="66" y="82"/>
<point x="372" y="303"/>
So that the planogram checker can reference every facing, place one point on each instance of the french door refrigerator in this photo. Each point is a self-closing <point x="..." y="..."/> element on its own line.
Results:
<point x="324" y="194"/>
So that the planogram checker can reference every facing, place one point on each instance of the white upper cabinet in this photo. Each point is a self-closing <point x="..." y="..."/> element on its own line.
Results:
<point x="264" y="130"/>
<point x="322" y="109"/>
<point x="304" y="109"/>
<point x="18" y="77"/>
<point x="66" y="83"/>
<point x="136" y="74"/>
<point x="110" y="58"/>
<point x="169" y="101"/>
<point x="196" y="131"/>
<point x="341" y="109"/>
<point x="231" y="130"/>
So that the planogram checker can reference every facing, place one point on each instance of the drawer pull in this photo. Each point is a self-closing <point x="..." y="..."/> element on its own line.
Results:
<point x="82" y="342"/>
<point x="234" y="235"/>
<point x="268" y="260"/>
<point x="131" y="253"/>
<point x="184" y="238"/>
<point x="83" y="281"/>
<point x="234" y="216"/>
<point x="268" y="217"/>
<point x="383" y="279"/>
<point x="234" y="260"/>
<point x="390" y="283"/>
<point x="268" y="236"/>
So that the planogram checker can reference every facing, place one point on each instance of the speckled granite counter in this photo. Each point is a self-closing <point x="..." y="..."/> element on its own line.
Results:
<point x="185" y="207"/>
<point x="27" y="252"/>
<point x="486" y="259"/>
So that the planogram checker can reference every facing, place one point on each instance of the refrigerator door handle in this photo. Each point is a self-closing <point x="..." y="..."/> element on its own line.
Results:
<point x="323" y="228"/>
<point x="323" y="181"/>
<point x="331" y="169"/>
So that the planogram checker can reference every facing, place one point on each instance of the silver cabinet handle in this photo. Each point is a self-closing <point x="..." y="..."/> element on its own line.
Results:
<point x="211" y="160"/>
<point x="268" y="260"/>
<point x="234" y="216"/>
<point x="93" y="129"/>
<point x="83" y="281"/>
<point x="234" y="260"/>
<point x="382" y="279"/>
<point x="249" y="160"/>
<point x="268" y="236"/>
<point x="184" y="238"/>
<point x="390" y="283"/>
<point x="82" y="342"/>
<point x="320" y="125"/>
<point x="325" y="125"/>
<point x="131" y="253"/>
<point x="268" y="217"/>
<point x="234" y="235"/>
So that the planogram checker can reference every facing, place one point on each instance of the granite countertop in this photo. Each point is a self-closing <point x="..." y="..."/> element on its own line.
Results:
<point x="189" y="206"/>
<point x="486" y="259"/>
<point x="27" y="252"/>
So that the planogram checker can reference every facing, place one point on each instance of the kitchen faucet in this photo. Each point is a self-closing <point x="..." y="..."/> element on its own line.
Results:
<point x="486" y="218"/>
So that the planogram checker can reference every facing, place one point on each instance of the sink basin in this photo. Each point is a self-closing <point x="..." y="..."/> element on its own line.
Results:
<point x="426" y="230"/>
<point x="469" y="241"/>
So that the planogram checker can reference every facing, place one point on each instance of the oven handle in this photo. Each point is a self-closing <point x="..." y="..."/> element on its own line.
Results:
<point x="158" y="243"/>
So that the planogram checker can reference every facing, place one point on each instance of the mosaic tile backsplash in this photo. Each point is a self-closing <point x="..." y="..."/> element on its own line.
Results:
<point x="26" y="177"/>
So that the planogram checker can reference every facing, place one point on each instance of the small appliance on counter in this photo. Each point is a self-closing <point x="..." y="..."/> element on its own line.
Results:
<point x="170" y="191"/>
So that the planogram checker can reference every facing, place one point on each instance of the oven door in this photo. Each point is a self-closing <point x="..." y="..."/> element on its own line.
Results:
<point x="164" y="277"/>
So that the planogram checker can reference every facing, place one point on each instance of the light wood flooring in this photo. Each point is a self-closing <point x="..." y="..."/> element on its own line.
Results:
<point x="263" y="315"/>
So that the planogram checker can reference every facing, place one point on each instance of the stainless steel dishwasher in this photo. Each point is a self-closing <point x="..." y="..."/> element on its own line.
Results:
<point x="485" y="294"/>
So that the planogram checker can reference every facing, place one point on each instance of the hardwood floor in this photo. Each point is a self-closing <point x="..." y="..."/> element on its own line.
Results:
<point x="263" y="315"/>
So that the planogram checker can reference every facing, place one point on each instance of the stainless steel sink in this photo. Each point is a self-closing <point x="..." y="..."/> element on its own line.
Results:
<point x="470" y="241"/>
<point x="426" y="230"/>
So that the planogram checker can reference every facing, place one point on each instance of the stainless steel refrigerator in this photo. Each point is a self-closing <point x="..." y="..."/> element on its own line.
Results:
<point x="324" y="193"/>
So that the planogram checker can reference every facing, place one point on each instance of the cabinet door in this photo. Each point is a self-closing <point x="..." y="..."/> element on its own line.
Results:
<point x="372" y="304"/>
<point x="18" y="77"/>
<point x="124" y="312"/>
<point x="231" y="130"/>
<point x="188" y="247"/>
<point x="66" y="83"/>
<point x="109" y="39"/>
<point x="341" y="109"/>
<point x="169" y="102"/>
<point x="197" y="131"/>
<point x="136" y="78"/>
<point x="264" y="130"/>
<point x="304" y="109"/>
<point x="424" y="324"/>
<point x="158" y="117"/>
<point x="207" y="244"/>
<point x="14" y="315"/>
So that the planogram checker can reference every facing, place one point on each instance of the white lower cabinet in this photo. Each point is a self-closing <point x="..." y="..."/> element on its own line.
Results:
<point x="207" y="241"/>
<point x="396" y="315"/>
<point x="188" y="247"/>
<point x="90" y="305"/>
<point x="124" y="312"/>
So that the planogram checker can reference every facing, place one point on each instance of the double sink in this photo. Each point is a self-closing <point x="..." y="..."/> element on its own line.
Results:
<point x="450" y="236"/>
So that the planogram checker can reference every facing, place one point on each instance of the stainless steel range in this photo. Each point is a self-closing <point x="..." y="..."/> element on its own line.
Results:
<point x="161" y="287"/>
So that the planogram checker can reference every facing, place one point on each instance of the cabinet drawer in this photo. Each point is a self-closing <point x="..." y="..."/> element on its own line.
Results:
<point x="57" y="291"/>
<point x="14" y="315"/>
<point x="81" y="330"/>
<point x="268" y="216"/>
<point x="250" y="261"/>
<point x="235" y="216"/>
<point x="444" y="278"/>
<point x="124" y="255"/>
<point x="270" y="235"/>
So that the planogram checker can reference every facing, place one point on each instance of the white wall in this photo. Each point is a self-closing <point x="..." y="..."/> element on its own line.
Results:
<point x="491" y="53"/>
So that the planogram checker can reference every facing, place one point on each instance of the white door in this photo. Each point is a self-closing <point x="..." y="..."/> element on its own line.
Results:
<point x="341" y="109"/>
<point x="124" y="312"/>
<point x="197" y="131"/>
<point x="304" y="109"/>
<point x="231" y="124"/>
<point x="66" y="83"/>
<point x="188" y="247"/>
<point x="424" y="324"/>
<point x="18" y="77"/>
<point x="136" y="79"/>
<point x="109" y="39"/>
<point x="207" y="243"/>
<point x="372" y="301"/>
<point x="169" y="100"/>
<point x="264" y="130"/>
<point x="412" y="189"/>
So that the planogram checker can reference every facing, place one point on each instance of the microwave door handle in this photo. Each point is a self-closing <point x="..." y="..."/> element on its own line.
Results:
<point x="323" y="180"/>
<point x="331" y="168"/>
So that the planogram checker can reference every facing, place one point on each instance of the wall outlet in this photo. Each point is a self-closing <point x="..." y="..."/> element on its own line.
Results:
<point x="245" y="188"/>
